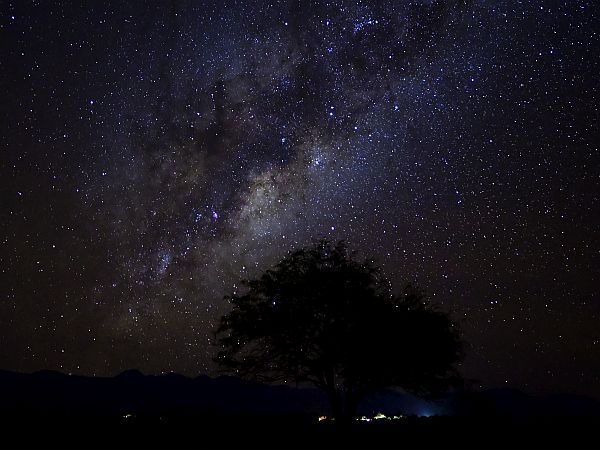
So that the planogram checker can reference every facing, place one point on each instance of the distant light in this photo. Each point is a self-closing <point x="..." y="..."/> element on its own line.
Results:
<point x="322" y="418"/>
<point x="379" y="416"/>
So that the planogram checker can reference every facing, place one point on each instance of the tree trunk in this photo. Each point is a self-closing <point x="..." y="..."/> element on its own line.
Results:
<point x="343" y="406"/>
<point x="351" y="407"/>
<point x="335" y="402"/>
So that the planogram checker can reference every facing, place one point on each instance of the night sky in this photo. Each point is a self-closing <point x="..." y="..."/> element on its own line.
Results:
<point x="155" y="153"/>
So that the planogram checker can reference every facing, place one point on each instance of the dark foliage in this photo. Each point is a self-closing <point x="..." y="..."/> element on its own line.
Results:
<point x="319" y="316"/>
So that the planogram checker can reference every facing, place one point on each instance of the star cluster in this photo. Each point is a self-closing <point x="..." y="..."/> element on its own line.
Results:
<point x="155" y="153"/>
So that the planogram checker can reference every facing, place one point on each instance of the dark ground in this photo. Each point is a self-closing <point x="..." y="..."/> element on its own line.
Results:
<point x="133" y="409"/>
<point x="182" y="429"/>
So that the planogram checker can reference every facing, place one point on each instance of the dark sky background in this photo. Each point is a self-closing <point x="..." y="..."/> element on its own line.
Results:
<point x="155" y="153"/>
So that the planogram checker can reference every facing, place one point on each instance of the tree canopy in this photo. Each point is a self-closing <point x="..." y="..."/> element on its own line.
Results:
<point x="320" y="316"/>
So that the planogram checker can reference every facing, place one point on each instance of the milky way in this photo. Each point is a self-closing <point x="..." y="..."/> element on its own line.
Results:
<point x="154" y="154"/>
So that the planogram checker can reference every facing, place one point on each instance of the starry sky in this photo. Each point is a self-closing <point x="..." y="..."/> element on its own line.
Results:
<point x="155" y="153"/>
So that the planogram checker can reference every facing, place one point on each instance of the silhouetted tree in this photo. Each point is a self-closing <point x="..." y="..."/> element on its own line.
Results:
<point x="319" y="316"/>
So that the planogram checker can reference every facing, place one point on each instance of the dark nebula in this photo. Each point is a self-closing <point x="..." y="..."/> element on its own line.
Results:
<point x="155" y="153"/>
